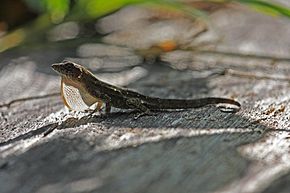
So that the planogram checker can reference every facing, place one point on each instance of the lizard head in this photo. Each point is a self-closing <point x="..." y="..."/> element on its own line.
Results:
<point x="68" y="69"/>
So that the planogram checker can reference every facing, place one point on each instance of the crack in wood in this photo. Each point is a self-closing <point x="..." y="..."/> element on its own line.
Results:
<point x="8" y="104"/>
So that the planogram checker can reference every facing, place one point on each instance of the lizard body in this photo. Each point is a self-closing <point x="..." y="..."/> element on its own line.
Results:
<point x="81" y="89"/>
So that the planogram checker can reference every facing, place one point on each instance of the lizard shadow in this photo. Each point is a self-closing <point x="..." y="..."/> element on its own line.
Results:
<point x="127" y="119"/>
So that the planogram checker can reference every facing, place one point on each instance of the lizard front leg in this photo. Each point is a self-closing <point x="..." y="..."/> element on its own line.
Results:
<point x="98" y="107"/>
<point x="108" y="108"/>
<point x="105" y="99"/>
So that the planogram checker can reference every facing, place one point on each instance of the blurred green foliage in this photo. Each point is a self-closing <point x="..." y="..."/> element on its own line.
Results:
<point x="267" y="7"/>
<point x="52" y="12"/>
<point x="91" y="9"/>
<point x="95" y="8"/>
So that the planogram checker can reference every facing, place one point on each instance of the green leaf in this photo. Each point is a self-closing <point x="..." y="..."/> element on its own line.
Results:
<point x="88" y="9"/>
<point x="98" y="8"/>
<point x="267" y="7"/>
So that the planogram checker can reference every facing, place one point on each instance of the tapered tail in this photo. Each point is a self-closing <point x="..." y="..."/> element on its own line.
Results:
<point x="191" y="103"/>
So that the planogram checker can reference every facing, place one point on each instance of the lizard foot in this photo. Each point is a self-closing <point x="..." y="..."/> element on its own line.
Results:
<point x="142" y="114"/>
<point x="92" y="112"/>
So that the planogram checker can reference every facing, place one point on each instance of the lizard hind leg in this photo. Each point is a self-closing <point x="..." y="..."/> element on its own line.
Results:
<point x="142" y="114"/>
<point x="137" y="104"/>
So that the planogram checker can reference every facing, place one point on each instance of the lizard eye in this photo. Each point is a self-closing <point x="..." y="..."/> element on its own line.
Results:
<point x="68" y="64"/>
<point x="71" y="69"/>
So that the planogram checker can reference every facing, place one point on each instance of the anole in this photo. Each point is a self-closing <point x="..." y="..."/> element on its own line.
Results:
<point x="80" y="89"/>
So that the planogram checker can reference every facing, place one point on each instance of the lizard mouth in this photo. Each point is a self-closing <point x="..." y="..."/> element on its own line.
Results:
<point x="62" y="68"/>
<point x="57" y="67"/>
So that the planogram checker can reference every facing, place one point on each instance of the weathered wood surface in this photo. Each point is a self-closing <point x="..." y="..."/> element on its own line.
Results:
<point x="44" y="148"/>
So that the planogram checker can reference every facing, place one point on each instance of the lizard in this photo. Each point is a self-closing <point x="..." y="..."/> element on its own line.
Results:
<point x="80" y="89"/>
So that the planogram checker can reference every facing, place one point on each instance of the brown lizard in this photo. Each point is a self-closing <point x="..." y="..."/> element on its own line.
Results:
<point x="80" y="89"/>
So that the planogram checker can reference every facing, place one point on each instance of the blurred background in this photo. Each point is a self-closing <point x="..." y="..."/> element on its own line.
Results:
<point x="161" y="25"/>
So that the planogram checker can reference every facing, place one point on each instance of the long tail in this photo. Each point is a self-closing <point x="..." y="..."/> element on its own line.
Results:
<point x="191" y="103"/>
